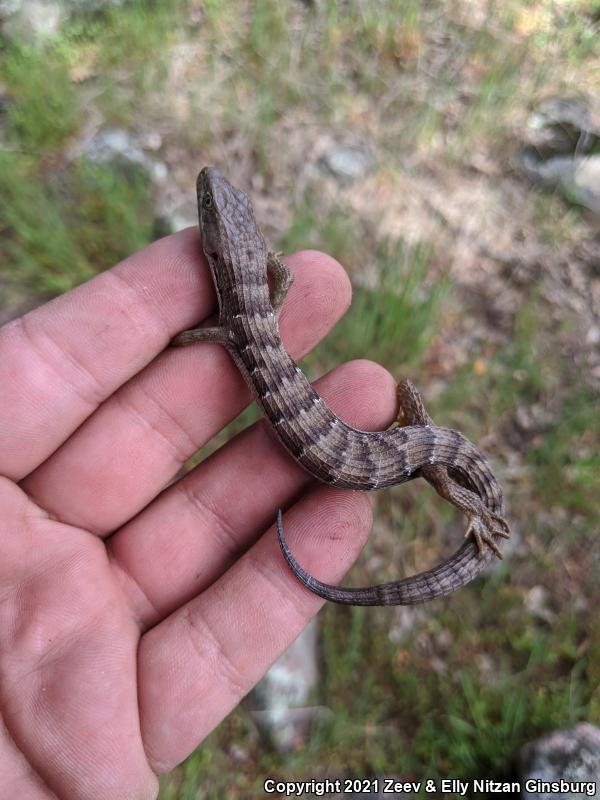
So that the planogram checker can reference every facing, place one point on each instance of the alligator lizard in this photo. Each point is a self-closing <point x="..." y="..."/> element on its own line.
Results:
<point x="318" y="439"/>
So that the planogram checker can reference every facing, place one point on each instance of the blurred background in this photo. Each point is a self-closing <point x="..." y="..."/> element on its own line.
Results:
<point x="448" y="154"/>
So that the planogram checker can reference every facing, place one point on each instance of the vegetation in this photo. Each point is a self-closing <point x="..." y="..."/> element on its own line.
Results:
<point x="438" y="92"/>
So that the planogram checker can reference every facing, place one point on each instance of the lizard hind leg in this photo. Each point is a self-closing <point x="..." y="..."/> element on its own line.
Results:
<point x="484" y="525"/>
<point x="480" y="528"/>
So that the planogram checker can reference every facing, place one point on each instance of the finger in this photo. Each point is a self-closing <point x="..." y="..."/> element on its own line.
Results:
<point x="196" y="666"/>
<point x="128" y="450"/>
<point x="196" y="529"/>
<point x="60" y="361"/>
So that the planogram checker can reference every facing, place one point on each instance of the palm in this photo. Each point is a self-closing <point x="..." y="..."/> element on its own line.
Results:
<point x="71" y="675"/>
<point x="133" y="618"/>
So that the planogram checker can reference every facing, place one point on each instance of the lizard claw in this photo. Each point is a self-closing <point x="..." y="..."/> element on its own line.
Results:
<point x="483" y="526"/>
<point x="503" y="528"/>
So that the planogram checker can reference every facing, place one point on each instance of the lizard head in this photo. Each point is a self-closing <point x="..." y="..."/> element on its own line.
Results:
<point x="224" y="212"/>
<point x="232" y="242"/>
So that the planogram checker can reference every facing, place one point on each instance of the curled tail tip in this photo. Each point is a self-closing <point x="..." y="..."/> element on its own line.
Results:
<point x="279" y="527"/>
<point x="292" y="563"/>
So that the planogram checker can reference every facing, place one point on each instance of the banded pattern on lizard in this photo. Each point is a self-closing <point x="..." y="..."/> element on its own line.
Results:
<point x="318" y="439"/>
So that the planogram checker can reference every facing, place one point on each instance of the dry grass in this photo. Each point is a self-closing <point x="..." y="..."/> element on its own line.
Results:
<point x="478" y="286"/>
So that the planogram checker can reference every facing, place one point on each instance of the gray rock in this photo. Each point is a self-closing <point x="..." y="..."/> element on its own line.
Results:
<point x="8" y="7"/>
<point x="571" y="756"/>
<point x="114" y="145"/>
<point x="586" y="183"/>
<point x="36" y="20"/>
<point x="563" y="125"/>
<point x="562" y="144"/>
<point x="32" y="20"/>
<point x="552" y="172"/>
<point x="347" y="162"/>
<point x="89" y="5"/>
<point x="577" y="177"/>
<point x="537" y="602"/>
<point x="285" y="689"/>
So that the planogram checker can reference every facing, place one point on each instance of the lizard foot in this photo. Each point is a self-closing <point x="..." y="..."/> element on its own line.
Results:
<point x="483" y="526"/>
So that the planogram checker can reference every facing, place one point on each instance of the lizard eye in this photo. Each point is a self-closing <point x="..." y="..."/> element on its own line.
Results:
<point x="208" y="200"/>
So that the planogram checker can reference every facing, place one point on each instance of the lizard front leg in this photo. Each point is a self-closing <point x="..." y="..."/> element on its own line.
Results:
<point x="483" y="523"/>
<point x="281" y="280"/>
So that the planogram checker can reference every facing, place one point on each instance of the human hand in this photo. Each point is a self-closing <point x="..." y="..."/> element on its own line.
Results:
<point x="133" y="618"/>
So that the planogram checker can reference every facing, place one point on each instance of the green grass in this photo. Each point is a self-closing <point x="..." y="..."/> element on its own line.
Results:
<point x="394" y="321"/>
<point x="63" y="219"/>
<point x="567" y="462"/>
<point x="479" y="675"/>
<point x="60" y="228"/>
<point x="36" y="238"/>
<point x="43" y="111"/>
<point x="493" y="383"/>
<point x="397" y="304"/>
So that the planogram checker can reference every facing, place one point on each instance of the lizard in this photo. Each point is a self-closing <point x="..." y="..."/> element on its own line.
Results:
<point x="322" y="443"/>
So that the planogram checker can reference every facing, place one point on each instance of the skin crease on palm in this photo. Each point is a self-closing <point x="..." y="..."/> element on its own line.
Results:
<point x="134" y="617"/>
